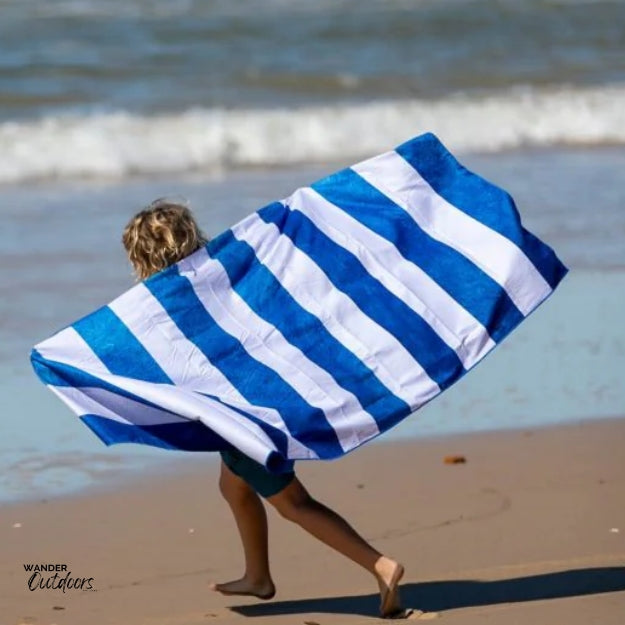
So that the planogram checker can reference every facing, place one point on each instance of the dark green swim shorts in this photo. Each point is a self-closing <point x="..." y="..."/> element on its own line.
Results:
<point x="255" y="474"/>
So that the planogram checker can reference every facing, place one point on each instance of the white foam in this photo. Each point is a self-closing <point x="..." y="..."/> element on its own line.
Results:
<point x="117" y="145"/>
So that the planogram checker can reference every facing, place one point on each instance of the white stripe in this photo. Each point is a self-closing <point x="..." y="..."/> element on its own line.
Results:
<point x="184" y="363"/>
<point x="265" y="343"/>
<point x="68" y="347"/>
<point x="493" y="253"/>
<point x="82" y="405"/>
<point x="105" y="403"/>
<point x="453" y="324"/>
<point x="392" y="364"/>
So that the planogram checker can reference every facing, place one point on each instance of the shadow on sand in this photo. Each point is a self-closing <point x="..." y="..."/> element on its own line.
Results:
<point x="447" y="595"/>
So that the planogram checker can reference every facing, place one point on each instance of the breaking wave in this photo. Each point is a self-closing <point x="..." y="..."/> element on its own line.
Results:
<point x="117" y="145"/>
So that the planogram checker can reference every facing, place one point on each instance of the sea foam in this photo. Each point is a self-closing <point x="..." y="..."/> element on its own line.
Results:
<point x="120" y="144"/>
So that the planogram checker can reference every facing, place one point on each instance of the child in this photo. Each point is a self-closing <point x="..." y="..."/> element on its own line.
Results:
<point x="155" y="238"/>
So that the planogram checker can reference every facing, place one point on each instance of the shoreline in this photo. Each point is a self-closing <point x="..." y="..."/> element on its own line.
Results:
<point x="129" y="476"/>
<point x="523" y="531"/>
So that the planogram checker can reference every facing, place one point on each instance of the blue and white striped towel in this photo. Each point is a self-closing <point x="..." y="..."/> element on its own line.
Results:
<point x="314" y="324"/>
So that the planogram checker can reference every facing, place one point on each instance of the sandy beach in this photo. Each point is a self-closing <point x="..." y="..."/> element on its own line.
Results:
<point x="106" y="105"/>
<point x="531" y="529"/>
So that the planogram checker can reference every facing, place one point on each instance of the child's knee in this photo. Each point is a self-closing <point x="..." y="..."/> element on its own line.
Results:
<point x="292" y="508"/>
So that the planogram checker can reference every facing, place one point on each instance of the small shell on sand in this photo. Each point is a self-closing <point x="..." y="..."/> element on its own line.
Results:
<point x="454" y="459"/>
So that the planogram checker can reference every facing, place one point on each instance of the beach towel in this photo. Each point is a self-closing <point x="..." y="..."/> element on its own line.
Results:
<point x="314" y="324"/>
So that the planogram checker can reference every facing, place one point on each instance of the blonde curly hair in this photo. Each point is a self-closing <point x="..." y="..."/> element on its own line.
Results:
<point x="161" y="235"/>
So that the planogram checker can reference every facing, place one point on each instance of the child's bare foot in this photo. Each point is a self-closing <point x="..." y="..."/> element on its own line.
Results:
<point x="262" y="590"/>
<point x="389" y="574"/>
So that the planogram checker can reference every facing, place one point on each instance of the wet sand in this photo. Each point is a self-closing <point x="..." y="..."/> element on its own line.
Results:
<point x="531" y="529"/>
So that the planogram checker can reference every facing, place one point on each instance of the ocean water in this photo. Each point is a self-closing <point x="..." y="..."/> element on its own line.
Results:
<point x="106" y="105"/>
<point x="111" y="88"/>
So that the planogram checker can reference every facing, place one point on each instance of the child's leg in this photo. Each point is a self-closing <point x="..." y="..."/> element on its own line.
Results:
<point x="251" y="519"/>
<point x="295" y="504"/>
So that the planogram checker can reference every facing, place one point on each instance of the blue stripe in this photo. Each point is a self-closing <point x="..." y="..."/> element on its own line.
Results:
<point x="348" y="275"/>
<point x="118" y="348"/>
<point x="189" y="436"/>
<point x="62" y="375"/>
<point x="473" y="289"/>
<point x="45" y="370"/>
<point x="259" y="384"/>
<point x="480" y="199"/>
<point x="271" y="301"/>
